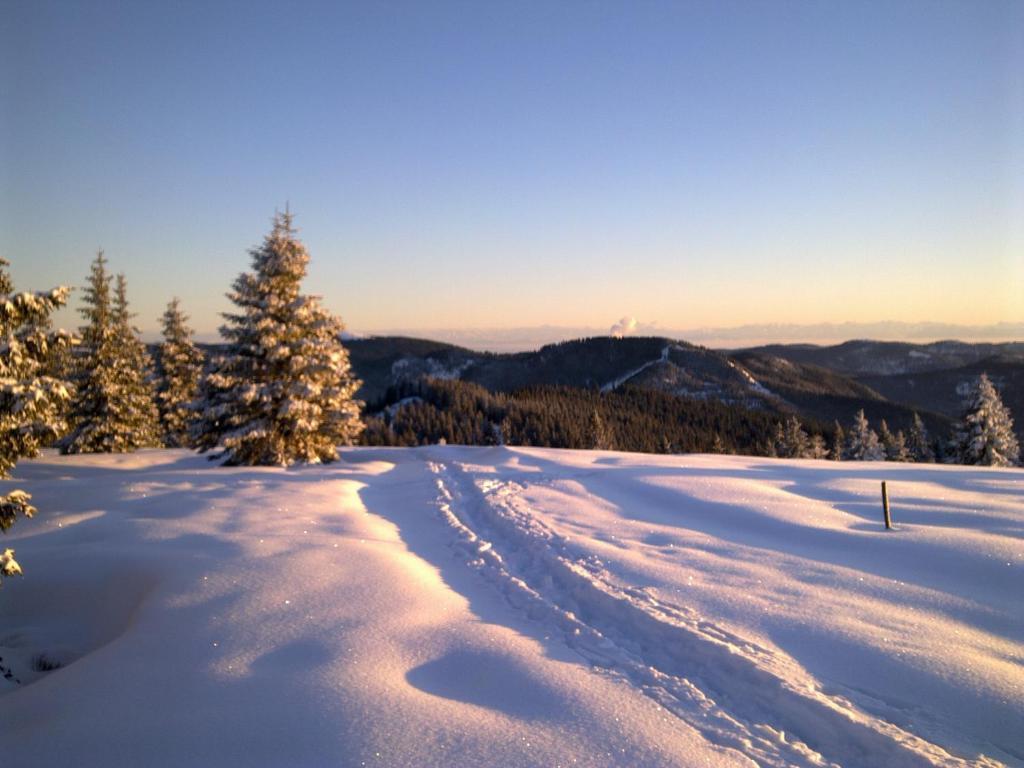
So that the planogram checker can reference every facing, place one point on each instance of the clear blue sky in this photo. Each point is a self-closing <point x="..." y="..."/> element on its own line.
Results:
<point x="511" y="164"/>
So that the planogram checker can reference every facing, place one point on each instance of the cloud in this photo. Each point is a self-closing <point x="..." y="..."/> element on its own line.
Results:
<point x="624" y="327"/>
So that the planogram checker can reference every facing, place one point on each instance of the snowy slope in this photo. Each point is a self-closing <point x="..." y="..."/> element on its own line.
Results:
<point x="514" y="607"/>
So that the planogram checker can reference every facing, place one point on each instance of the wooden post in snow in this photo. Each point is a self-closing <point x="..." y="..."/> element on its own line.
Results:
<point x="885" y="507"/>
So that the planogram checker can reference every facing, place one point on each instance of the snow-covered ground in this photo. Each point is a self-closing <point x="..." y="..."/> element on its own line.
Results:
<point x="453" y="606"/>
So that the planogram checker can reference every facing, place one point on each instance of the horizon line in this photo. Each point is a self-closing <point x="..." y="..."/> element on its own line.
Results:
<point x="531" y="338"/>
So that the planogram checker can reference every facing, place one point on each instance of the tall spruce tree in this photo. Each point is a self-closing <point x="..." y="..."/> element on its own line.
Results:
<point x="31" y="402"/>
<point x="862" y="442"/>
<point x="984" y="434"/>
<point x="284" y="391"/>
<point x="178" y="371"/>
<point x="136" y="374"/>
<point x="114" y="411"/>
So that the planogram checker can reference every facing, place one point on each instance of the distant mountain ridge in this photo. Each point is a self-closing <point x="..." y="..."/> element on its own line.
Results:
<point x="888" y="358"/>
<point x="530" y="338"/>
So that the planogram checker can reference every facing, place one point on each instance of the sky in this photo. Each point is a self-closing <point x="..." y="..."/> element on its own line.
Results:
<point x="456" y="165"/>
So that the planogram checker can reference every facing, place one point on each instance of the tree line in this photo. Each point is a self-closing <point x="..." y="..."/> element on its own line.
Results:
<point x="282" y="391"/>
<point x="631" y="418"/>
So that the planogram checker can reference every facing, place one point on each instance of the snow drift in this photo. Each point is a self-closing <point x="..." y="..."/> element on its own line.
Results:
<point x="494" y="606"/>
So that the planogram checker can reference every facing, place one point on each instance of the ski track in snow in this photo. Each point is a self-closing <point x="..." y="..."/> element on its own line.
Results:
<point x="611" y="385"/>
<point x="734" y="692"/>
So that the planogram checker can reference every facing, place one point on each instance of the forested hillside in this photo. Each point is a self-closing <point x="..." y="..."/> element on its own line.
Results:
<point x="627" y="419"/>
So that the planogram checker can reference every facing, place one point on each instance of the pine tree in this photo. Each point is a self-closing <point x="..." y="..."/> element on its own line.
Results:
<point x="142" y="418"/>
<point x="790" y="441"/>
<point x="817" y="449"/>
<point x="898" y="450"/>
<point x="180" y="366"/>
<point x="984" y="434"/>
<point x="862" y="443"/>
<point x="796" y="444"/>
<point x="838" y="443"/>
<point x="31" y="402"/>
<point x="600" y="439"/>
<point x="283" y="392"/>
<point x="918" y="443"/>
<point x="114" y="410"/>
<point x="778" y="444"/>
<point x="894" y="445"/>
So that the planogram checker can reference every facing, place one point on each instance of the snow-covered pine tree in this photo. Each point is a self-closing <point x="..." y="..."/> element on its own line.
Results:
<point x="894" y="444"/>
<point x="838" y="442"/>
<point x="984" y="434"/>
<point x="177" y="381"/>
<point x="817" y="448"/>
<point x="283" y="392"/>
<point x="92" y="365"/>
<point x="114" y="411"/>
<point x="886" y="438"/>
<point x="796" y="444"/>
<point x="136" y="375"/>
<point x="790" y="440"/>
<point x="897" y="449"/>
<point x="862" y="442"/>
<point x="31" y="402"/>
<point x="918" y="443"/>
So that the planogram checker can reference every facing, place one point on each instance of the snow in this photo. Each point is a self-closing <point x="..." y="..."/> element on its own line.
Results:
<point x="455" y="606"/>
